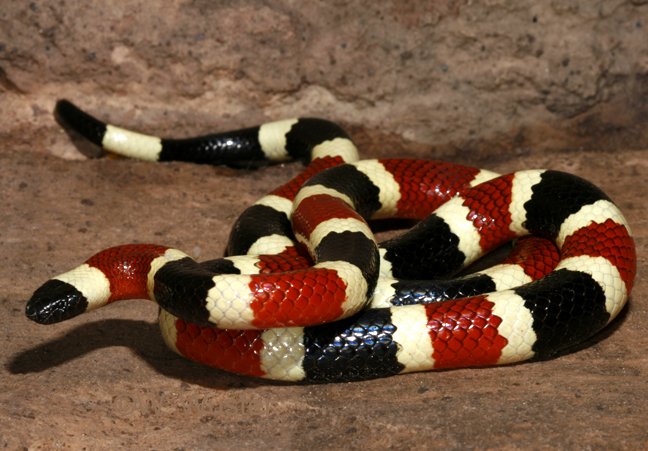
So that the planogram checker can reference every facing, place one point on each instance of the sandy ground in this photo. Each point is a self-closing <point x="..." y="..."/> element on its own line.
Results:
<point x="105" y="380"/>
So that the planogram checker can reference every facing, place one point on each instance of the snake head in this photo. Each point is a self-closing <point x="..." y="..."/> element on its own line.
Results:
<point x="55" y="301"/>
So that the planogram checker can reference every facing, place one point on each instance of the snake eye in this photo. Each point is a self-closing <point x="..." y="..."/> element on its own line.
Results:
<point x="55" y="301"/>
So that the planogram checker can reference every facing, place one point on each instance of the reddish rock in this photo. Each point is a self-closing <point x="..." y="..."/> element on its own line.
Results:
<point x="500" y="84"/>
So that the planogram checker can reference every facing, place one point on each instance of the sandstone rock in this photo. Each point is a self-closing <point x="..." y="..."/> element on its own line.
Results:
<point x="500" y="83"/>
<point x="448" y="76"/>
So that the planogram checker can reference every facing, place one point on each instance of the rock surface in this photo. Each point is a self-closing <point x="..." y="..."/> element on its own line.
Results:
<point x="449" y="77"/>
<point x="501" y="84"/>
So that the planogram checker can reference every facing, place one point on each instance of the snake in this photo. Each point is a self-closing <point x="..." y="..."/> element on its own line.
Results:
<point x="306" y="294"/>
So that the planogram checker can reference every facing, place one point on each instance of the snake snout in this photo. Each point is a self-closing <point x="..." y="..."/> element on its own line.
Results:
<point x="55" y="301"/>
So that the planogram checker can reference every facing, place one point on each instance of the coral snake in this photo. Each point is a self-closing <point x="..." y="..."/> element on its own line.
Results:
<point x="307" y="294"/>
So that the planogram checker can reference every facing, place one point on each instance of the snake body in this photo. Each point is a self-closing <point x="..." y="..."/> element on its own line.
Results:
<point x="306" y="293"/>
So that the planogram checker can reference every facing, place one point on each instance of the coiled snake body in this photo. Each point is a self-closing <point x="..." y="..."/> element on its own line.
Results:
<point x="306" y="293"/>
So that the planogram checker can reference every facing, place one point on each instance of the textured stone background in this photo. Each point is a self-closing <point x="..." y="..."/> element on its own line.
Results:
<point x="450" y="76"/>
<point x="502" y="84"/>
